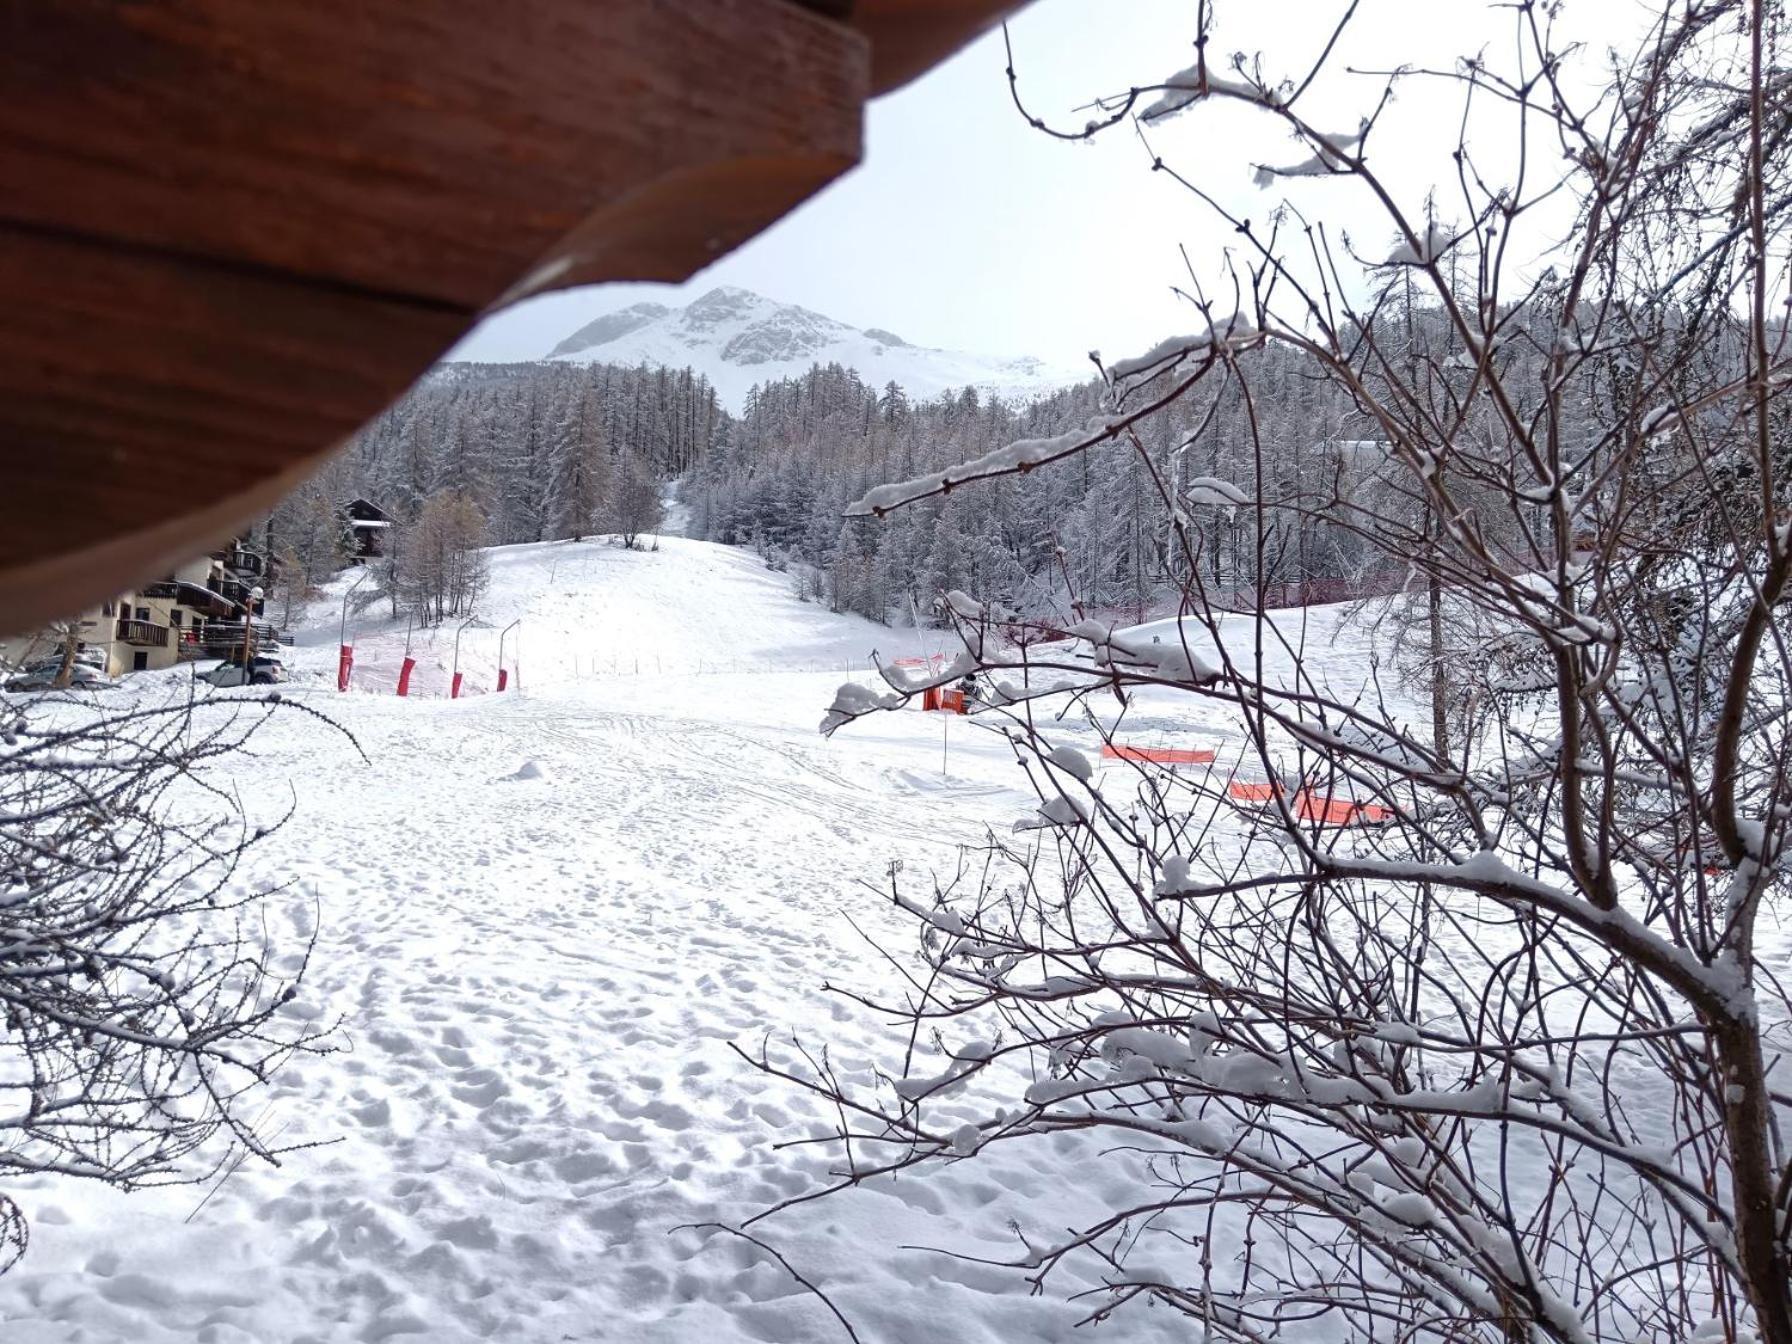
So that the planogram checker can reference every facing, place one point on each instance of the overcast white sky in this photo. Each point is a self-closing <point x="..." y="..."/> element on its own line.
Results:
<point x="967" y="230"/>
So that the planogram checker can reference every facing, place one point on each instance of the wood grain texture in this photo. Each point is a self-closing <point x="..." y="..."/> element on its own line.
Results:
<point x="429" y="149"/>
<point x="149" y="406"/>
<point x="910" y="37"/>
<point x="233" y="231"/>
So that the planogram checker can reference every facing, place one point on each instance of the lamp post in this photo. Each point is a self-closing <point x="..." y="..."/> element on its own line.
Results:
<point x="255" y="596"/>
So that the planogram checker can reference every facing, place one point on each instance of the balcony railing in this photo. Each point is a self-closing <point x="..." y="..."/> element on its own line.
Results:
<point x="225" y="639"/>
<point x="244" y="562"/>
<point x="143" y="632"/>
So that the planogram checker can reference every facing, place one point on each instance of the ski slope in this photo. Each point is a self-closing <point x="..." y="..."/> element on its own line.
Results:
<point x="545" y="919"/>
<point x="593" y="609"/>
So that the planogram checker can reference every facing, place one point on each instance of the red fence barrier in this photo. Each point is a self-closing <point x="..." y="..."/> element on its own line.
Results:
<point x="454" y="690"/>
<point x="1310" y="806"/>
<point x="1158" y="755"/>
<point x="345" y="666"/>
<point x="404" y="676"/>
<point x="1338" y="811"/>
<point x="503" y="677"/>
<point x="1247" y="792"/>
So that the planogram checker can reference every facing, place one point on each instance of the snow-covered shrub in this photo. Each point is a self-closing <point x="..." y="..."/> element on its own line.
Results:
<point x="139" y="1000"/>
<point x="1447" y="1009"/>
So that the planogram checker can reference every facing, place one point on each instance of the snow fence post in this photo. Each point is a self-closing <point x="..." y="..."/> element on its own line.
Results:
<point x="454" y="686"/>
<point x="504" y="672"/>
<point x="404" y="672"/>
<point x="345" y="656"/>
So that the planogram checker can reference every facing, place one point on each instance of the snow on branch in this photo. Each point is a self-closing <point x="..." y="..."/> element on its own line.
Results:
<point x="1185" y="88"/>
<point x="1329" y="159"/>
<point x="1021" y="455"/>
<point x="853" y="701"/>
<point x="1433" y="245"/>
<point x="1236" y="330"/>
<point x="1213" y="490"/>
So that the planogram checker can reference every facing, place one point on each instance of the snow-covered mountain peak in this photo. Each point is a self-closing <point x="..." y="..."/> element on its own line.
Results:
<point x="609" y="327"/>
<point x="737" y="338"/>
<point x="723" y="305"/>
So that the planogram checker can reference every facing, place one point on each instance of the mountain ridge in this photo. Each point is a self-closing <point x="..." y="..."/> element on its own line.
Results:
<point x="737" y="338"/>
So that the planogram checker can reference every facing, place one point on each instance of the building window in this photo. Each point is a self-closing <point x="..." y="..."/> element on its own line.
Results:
<point x="143" y="613"/>
<point x="107" y="608"/>
<point x="140" y="661"/>
<point x="174" y="619"/>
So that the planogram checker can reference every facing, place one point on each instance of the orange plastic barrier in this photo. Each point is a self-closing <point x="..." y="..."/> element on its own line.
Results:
<point x="936" y="698"/>
<point x="1158" y="755"/>
<point x="1246" y="792"/>
<point x="1310" y="806"/>
<point x="1338" y="811"/>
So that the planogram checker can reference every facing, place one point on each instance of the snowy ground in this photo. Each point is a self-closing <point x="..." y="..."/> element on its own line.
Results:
<point x="544" y="918"/>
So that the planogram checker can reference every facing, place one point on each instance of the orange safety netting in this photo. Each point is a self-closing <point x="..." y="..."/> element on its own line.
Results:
<point x="1158" y="755"/>
<point x="1246" y="792"/>
<point x="1310" y="806"/>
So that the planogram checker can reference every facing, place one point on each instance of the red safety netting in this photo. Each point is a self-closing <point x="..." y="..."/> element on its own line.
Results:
<point x="1158" y="755"/>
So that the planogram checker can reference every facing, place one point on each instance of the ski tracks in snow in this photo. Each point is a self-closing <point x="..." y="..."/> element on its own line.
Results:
<point x="539" y="979"/>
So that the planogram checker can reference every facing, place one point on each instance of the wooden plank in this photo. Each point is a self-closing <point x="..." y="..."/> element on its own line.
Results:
<point x="149" y="405"/>
<point x="436" y="150"/>
<point x="910" y="37"/>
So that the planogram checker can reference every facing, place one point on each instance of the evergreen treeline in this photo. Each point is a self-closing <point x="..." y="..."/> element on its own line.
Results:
<point x="541" y="447"/>
<point x="546" y="451"/>
<point x="1082" y="537"/>
<point x="534" y="452"/>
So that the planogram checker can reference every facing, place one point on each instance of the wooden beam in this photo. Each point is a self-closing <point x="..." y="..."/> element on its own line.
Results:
<point x="232" y="231"/>
<point x="434" y="150"/>
<point x="910" y="37"/>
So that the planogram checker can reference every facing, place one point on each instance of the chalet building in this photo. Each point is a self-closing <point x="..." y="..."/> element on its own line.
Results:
<point x="366" y="525"/>
<point x="206" y="609"/>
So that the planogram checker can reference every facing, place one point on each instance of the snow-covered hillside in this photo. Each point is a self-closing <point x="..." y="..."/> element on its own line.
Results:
<point x="544" y="920"/>
<point x="737" y="338"/>
<point x="590" y="610"/>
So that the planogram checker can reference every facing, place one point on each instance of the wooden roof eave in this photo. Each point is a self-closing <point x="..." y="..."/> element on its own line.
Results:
<point x="231" y="233"/>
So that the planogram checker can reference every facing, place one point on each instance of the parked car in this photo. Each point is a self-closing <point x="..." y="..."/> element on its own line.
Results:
<point x="52" y="662"/>
<point x="260" y="672"/>
<point x="42" y="677"/>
